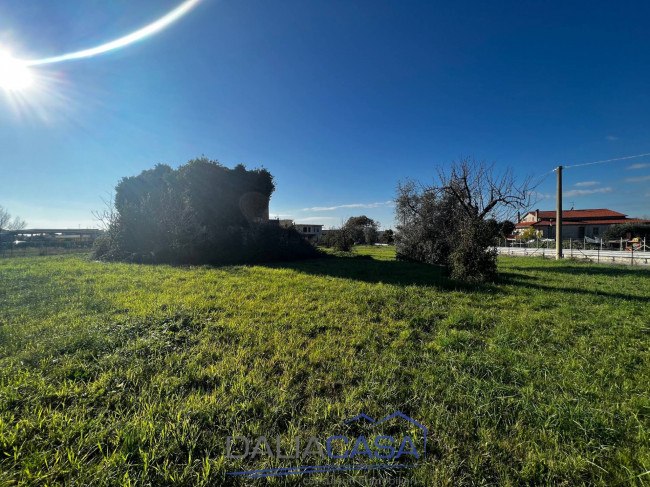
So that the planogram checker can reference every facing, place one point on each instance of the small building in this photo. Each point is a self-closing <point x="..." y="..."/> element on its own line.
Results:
<point x="308" y="230"/>
<point x="577" y="224"/>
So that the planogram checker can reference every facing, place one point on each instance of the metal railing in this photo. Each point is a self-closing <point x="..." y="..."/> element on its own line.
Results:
<point x="630" y="257"/>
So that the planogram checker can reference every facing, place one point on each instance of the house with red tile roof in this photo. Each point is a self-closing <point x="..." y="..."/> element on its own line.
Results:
<point x="577" y="224"/>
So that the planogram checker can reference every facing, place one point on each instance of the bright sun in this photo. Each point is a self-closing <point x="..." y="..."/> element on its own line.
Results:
<point x="14" y="74"/>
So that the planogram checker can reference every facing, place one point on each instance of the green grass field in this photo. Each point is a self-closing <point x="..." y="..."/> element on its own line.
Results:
<point x="116" y="374"/>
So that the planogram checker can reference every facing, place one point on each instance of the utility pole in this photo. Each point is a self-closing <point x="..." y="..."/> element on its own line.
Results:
<point x="558" y="216"/>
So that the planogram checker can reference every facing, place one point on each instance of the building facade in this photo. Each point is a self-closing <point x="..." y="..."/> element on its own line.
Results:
<point x="308" y="230"/>
<point x="577" y="224"/>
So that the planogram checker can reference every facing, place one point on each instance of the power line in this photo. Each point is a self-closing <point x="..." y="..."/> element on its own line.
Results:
<point x="558" y="193"/>
<point x="608" y="160"/>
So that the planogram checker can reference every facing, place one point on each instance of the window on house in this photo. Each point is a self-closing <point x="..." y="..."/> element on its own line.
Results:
<point x="304" y="229"/>
<point x="595" y="231"/>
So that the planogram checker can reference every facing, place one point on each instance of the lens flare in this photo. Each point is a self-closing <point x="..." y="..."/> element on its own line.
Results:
<point x="14" y="74"/>
<point x="138" y="35"/>
<point x="31" y="90"/>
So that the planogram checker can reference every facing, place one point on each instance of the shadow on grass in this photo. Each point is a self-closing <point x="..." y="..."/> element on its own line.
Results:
<point x="536" y="283"/>
<point x="367" y="269"/>
<point x="590" y="269"/>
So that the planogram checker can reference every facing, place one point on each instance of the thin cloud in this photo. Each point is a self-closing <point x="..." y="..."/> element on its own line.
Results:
<point x="316" y="219"/>
<point x="611" y="137"/>
<point x="638" y="166"/>
<point x="584" y="192"/>
<point x="584" y="184"/>
<point x="353" y="205"/>
<point x="541" y="196"/>
<point x="637" y="180"/>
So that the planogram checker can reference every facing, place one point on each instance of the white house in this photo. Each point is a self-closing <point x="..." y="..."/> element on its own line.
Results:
<point x="309" y="230"/>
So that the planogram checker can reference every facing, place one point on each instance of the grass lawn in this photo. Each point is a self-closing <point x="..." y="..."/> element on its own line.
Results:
<point x="116" y="374"/>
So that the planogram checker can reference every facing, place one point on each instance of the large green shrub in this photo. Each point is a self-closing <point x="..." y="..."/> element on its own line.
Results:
<point x="200" y="213"/>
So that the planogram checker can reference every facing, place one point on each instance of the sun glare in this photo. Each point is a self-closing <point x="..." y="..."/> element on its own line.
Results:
<point x="30" y="90"/>
<point x="14" y="74"/>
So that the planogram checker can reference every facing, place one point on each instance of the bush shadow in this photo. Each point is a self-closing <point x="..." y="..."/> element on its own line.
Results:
<point x="536" y="283"/>
<point x="367" y="269"/>
<point x="590" y="269"/>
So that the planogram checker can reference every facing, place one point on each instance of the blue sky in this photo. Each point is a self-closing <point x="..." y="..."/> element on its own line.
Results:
<point x="338" y="99"/>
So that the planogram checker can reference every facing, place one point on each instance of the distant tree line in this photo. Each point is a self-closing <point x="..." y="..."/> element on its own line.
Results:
<point x="9" y="224"/>
<point x="387" y="237"/>
<point x="357" y="230"/>
<point x="632" y="230"/>
<point x="200" y="213"/>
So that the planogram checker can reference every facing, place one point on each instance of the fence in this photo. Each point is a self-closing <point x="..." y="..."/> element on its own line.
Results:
<point x="33" y="251"/>
<point x="631" y="257"/>
<point x="584" y="243"/>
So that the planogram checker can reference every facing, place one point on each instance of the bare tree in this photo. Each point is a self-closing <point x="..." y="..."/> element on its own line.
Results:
<point x="484" y="193"/>
<point x="106" y="216"/>
<point x="6" y="223"/>
<point x="453" y="222"/>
